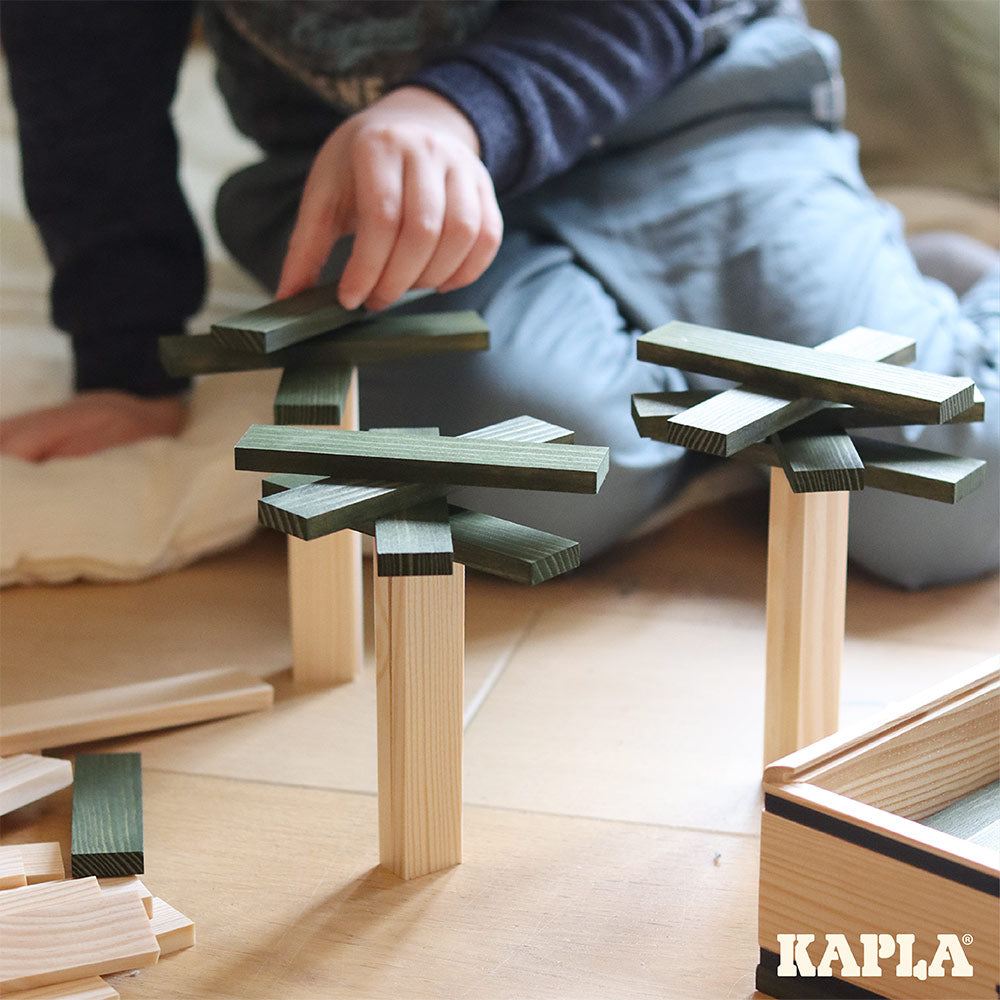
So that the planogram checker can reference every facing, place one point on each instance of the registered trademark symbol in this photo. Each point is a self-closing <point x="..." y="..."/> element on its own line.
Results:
<point x="967" y="939"/>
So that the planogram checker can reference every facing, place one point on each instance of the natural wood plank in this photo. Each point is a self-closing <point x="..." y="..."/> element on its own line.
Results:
<point x="92" y="988"/>
<point x="313" y="396"/>
<point x="28" y="777"/>
<point x="12" y="874"/>
<point x="923" y="766"/>
<point x="817" y="457"/>
<point x="286" y="321"/>
<point x="779" y="368"/>
<point x="815" y="883"/>
<point x="325" y="597"/>
<point x="43" y="893"/>
<point x="419" y="654"/>
<point x="128" y="885"/>
<point x="107" y="815"/>
<point x="40" y="862"/>
<point x="722" y="423"/>
<point x="131" y="708"/>
<point x="801" y="764"/>
<point x="73" y="940"/>
<point x="392" y="338"/>
<point x="315" y="506"/>
<point x="405" y="458"/>
<point x="173" y="930"/>
<point x="415" y="542"/>
<point x="806" y="588"/>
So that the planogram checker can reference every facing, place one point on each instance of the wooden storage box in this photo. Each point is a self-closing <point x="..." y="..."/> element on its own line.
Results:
<point x="844" y="852"/>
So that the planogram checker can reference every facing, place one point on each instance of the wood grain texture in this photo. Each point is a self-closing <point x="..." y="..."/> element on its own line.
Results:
<point x="40" y="862"/>
<point x="313" y="396"/>
<point x="12" y="874"/>
<point x="73" y="940"/>
<point x="817" y="457"/>
<point x="419" y="657"/>
<point x="926" y="764"/>
<point x="801" y="764"/>
<point x="286" y="321"/>
<point x="107" y="815"/>
<point x="795" y="371"/>
<point x="326" y="614"/>
<point x="812" y="883"/>
<point x="128" y="885"/>
<point x="91" y="988"/>
<point x="806" y="590"/>
<point x="42" y="893"/>
<point x="173" y="930"/>
<point x="723" y="423"/>
<point x="132" y="708"/>
<point x="319" y="506"/>
<point x="392" y="338"/>
<point x="919" y="472"/>
<point x="415" y="542"/>
<point x="897" y="468"/>
<point x="26" y="778"/>
<point x="405" y="458"/>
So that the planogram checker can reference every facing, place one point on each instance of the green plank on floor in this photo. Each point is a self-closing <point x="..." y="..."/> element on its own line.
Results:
<point x="107" y="815"/>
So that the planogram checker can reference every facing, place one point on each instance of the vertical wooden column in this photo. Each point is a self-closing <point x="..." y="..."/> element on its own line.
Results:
<point x="806" y="588"/>
<point x="419" y="656"/>
<point x="325" y="597"/>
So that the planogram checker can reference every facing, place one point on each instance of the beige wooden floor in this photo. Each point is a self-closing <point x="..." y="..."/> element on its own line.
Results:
<point x="614" y="725"/>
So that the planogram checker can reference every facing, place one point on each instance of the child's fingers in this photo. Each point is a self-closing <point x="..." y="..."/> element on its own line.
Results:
<point x="378" y="173"/>
<point x="460" y="229"/>
<point x="420" y="231"/>
<point x="316" y="230"/>
<point x="487" y="242"/>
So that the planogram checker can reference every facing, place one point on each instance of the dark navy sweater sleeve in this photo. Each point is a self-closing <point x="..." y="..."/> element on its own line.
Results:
<point x="92" y="85"/>
<point x="546" y="80"/>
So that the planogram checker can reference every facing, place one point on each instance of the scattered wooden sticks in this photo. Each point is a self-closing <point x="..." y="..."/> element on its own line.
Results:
<point x="27" y="777"/>
<point x="61" y="935"/>
<point x="107" y="815"/>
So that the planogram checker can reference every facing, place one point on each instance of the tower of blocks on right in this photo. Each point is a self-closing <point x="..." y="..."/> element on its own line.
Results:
<point x="794" y="413"/>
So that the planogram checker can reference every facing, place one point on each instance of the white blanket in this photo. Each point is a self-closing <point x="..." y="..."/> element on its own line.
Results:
<point x="143" y="508"/>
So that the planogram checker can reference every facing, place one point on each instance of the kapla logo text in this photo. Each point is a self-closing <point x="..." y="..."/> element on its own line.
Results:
<point x="949" y="957"/>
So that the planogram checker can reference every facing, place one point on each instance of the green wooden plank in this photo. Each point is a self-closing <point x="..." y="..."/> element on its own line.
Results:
<point x="653" y="411"/>
<point x="972" y="816"/>
<point x="415" y="542"/>
<point x="818" y="457"/>
<point x="359" y="455"/>
<point x="308" y="396"/>
<point x="314" y="506"/>
<point x="730" y="420"/>
<point x="897" y="468"/>
<point x="779" y="369"/>
<point x="107" y="815"/>
<point x="286" y="321"/>
<point x="505" y="549"/>
<point x="919" y="472"/>
<point x="387" y="339"/>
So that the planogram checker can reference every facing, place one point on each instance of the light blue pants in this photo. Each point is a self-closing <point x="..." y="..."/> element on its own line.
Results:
<point x="733" y="202"/>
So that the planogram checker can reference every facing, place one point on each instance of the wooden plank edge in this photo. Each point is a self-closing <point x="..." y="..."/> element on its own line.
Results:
<point x="798" y="766"/>
<point x="885" y="833"/>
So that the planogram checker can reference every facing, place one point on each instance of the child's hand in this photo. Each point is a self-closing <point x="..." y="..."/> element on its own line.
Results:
<point x="405" y="177"/>
<point x="89" y="423"/>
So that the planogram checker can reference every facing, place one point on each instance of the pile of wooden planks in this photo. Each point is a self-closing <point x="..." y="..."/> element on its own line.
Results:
<point x="61" y="935"/>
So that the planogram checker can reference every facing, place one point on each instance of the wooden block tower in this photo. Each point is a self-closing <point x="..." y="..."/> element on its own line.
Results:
<point x="793" y="414"/>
